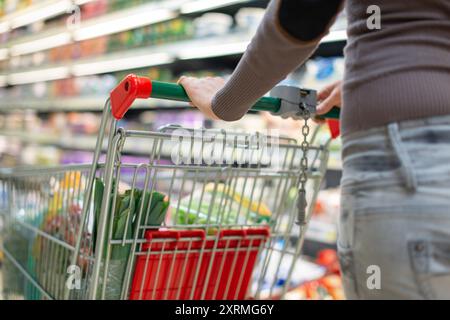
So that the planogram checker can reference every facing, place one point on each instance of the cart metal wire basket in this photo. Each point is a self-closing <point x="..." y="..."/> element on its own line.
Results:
<point x="210" y="215"/>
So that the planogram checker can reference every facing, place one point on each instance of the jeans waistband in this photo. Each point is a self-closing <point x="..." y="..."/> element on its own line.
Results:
<point x="424" y="122"/>
<point x="392" y="147"/>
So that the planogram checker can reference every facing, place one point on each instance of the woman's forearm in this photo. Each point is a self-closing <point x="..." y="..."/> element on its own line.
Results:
<point x="287" y="36"/>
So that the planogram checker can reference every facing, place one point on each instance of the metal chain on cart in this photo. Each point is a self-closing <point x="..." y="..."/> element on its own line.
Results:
<point x="303" y="177"/>
<point x="298" y="104"/>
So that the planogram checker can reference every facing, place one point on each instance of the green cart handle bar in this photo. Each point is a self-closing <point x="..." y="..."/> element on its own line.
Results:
<point x="134" y="87"/>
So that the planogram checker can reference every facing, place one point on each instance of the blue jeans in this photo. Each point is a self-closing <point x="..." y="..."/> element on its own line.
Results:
<point x="394" y="228"/>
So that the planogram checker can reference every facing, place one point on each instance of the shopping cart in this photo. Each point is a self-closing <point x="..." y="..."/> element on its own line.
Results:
<point x="210" y="214"/>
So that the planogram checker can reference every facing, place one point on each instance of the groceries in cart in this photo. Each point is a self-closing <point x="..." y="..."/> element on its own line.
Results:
<point x="227" y="252"/>
<point x="53" y="208"/>
<point x="221" y="204"/>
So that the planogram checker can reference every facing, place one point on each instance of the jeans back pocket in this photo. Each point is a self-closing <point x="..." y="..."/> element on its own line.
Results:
<point x="430" y="261"/>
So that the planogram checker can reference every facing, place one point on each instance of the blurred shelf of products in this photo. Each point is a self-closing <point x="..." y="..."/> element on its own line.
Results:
<point x="60" y="59"/>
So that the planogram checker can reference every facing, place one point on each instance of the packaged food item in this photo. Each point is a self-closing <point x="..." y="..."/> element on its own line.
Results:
<point x="220" y="204"/>
<point x="93" y="9"/>
<point x="328" y="287"/>
<point x="329" y="259"/>
<point x="212" y="24"/>
<point x="249" y="18"/>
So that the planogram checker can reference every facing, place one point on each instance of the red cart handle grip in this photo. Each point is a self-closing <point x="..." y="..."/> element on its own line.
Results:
<point x="130" y="89"/>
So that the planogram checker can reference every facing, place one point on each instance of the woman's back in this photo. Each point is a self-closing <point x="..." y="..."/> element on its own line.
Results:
<point x="400" y="71"/>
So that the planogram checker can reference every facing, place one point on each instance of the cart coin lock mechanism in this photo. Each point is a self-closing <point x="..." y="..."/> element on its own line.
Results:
<point x="284" y="101"/>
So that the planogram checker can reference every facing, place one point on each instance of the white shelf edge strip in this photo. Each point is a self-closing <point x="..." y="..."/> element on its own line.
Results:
<point x="122" y="21"/>
<point x="119" y="64"/>
<point x="213" y="50"/>
<point x="3" y="81"/>
<point x="75" y="141"/>
<point x="334" y="36"/>
<point x="204" y="5"/>
<point x="39" y="75"/>
<point x="41" y="44"/>
<point x="39" y="13"/>
<point x="3" y="54"/>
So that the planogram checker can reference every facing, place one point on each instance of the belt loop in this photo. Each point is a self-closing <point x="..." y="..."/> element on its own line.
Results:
<point x="403" y="156"/>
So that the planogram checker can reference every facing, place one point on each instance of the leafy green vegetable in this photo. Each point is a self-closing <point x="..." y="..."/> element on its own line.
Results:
<point x="124" y="217"/>
<point x="125" y="214"/>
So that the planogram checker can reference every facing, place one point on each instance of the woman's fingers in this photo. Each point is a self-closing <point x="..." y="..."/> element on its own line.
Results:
<point x="201" y="92"/>
<point x="327" y="104"/>
<point x="325" y="92"/>
<point x="329" y="97"/>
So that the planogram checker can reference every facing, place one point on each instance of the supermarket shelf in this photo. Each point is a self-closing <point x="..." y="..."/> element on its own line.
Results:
<point x="37" y="12"/>
<point x="145" y="57"/>
<point x="79" y="104"/>
<point x="34" y="43"/>
<point x="319" y="231"/>
<point x="111" y="23"/>
<point x="108" y="24"/>
<point x="83" y="142"/>
<point x="205" y="5"/>
<point x="128" y="19"/>
<point x="79" y="142"/>
<point x="134" y="59"/>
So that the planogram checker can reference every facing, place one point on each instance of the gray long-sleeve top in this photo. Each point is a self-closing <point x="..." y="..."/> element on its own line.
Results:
<point x="398" y="72"/>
